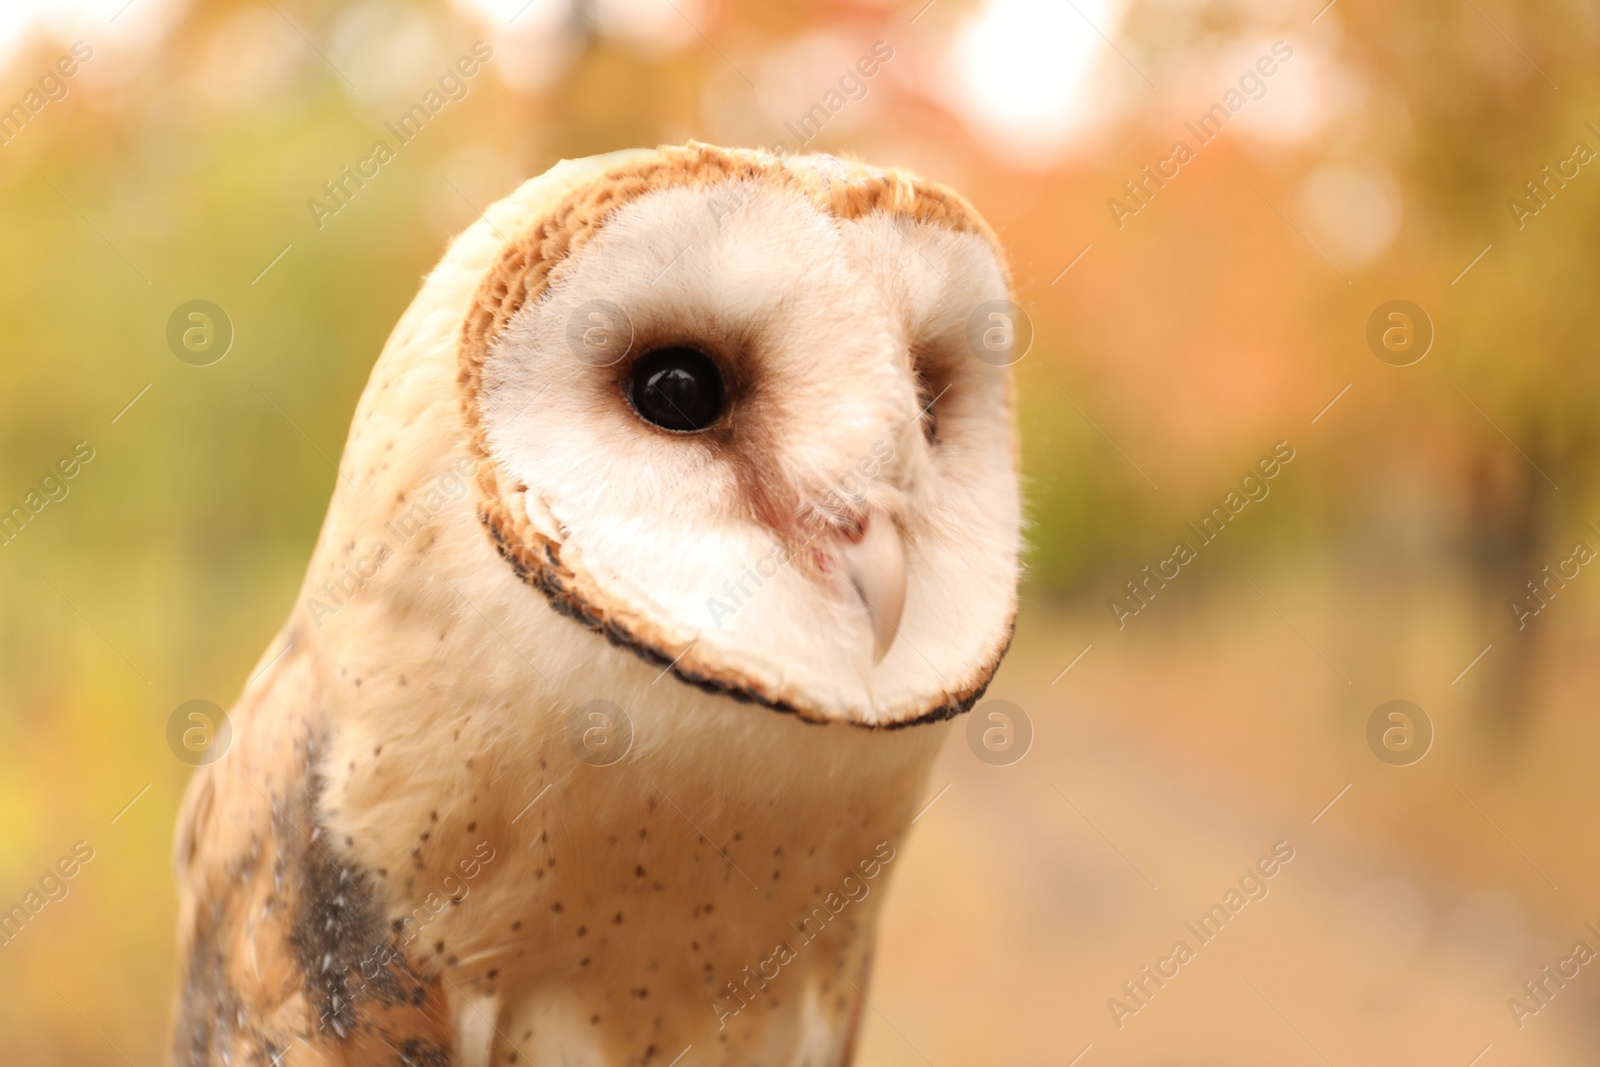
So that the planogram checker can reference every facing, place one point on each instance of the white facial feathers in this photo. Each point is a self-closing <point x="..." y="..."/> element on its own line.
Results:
<point x="855" y="411"/>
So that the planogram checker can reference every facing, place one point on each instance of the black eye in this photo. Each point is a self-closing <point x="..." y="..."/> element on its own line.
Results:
<point x="677" y="389"/>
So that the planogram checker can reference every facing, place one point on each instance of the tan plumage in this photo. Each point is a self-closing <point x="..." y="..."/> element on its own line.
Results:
<point x="410" y="856"/>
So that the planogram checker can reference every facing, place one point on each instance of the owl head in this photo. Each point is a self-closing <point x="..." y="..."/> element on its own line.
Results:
<point x="747" y="417"/>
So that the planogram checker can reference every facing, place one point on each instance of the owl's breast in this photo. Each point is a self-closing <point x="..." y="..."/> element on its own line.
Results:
<point x="713" y="880"/>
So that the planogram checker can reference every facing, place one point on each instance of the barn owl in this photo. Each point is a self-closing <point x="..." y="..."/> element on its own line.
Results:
<point x="719" y="410"/>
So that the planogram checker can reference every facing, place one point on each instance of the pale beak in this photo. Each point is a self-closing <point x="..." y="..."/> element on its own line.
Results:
<point x="876" y="565"/>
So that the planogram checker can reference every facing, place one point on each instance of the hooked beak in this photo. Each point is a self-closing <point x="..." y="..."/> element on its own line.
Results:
<point x="876" y="565"/>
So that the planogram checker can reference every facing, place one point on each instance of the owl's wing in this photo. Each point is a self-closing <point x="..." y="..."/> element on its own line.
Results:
<point x="287" y="960"/>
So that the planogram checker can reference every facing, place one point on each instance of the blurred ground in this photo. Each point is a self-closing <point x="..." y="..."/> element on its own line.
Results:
<point x="1395" y="936"/>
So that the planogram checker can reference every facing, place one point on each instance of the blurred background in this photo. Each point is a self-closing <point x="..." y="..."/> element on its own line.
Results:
<point x="1427" y="542"/>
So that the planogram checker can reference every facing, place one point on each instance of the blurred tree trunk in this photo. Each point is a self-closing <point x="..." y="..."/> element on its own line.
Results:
<point x="1511" y="528"/>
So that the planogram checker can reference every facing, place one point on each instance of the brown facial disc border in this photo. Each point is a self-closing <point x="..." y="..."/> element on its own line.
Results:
<point x="522" y="274"/>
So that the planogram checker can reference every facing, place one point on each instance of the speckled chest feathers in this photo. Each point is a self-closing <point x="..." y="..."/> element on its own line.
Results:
<point x="677" y="520"/>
